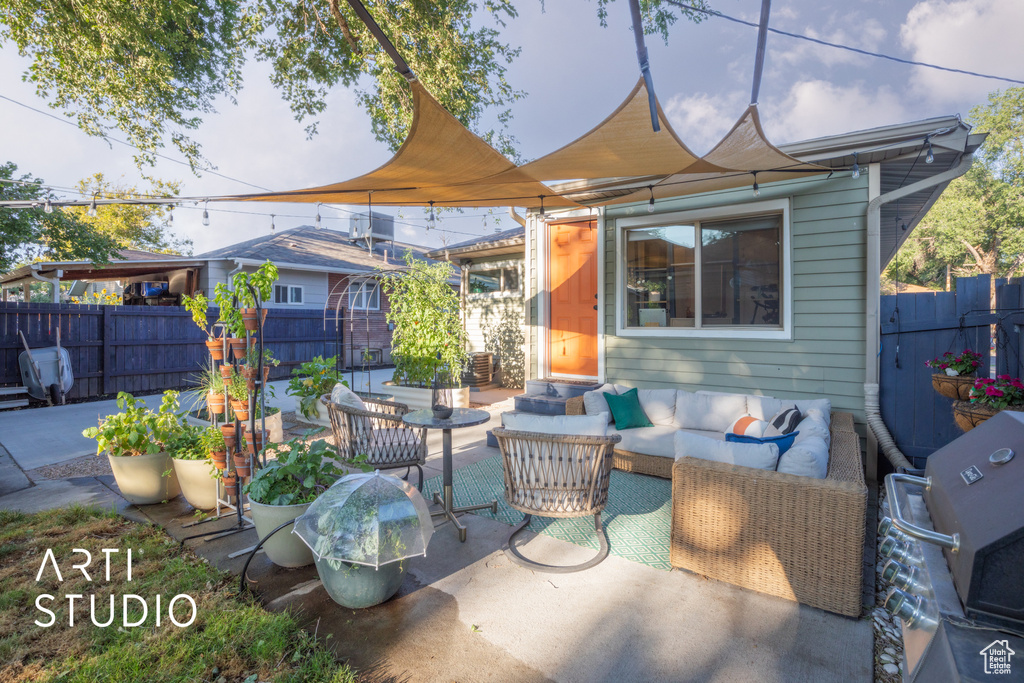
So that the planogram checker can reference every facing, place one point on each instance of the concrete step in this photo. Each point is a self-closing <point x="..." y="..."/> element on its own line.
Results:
<point x="540" y="405"/>
<point x="16" y="403"/>
<point x="551" y="388"/>
<point x="12" y="391"/>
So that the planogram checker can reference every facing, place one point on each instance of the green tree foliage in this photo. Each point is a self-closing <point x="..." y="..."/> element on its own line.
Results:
<point x="976" y="225"/>
<point x="153" y="68"/>
<point x="32" y="234"/>
<point x="132" y="226"/>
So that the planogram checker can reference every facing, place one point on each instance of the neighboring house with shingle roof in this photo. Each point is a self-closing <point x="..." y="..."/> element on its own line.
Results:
<point x="493" y="308"/>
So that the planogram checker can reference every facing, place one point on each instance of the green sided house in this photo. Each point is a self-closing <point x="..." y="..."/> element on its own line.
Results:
<point x="766" y="289"/>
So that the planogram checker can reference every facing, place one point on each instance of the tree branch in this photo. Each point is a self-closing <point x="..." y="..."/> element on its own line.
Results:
<point x="343" y="25"/>
<point x="979" y="260"/>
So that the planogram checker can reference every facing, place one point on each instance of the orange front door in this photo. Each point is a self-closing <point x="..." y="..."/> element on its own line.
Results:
<point x="573" y="282"/>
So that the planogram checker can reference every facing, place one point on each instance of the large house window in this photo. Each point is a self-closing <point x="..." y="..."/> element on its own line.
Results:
<point x="712" y="274"/>
<point x="364" y="295"/>
<point x="494" y="280"/>
<point x="287" y="294"/>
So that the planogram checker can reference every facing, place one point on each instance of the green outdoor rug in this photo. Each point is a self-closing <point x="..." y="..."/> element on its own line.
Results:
<point x="637" y="518"/>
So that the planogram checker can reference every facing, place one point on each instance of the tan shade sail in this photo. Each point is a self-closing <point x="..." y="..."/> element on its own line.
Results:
<point x="441" y="161"/>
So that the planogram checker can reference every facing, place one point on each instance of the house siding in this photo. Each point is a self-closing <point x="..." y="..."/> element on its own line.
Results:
<point x="313" y="283"/>
<point x="824" y="358"/>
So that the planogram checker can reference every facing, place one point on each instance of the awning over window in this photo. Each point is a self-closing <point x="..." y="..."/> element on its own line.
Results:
<point x="443" y="163"/>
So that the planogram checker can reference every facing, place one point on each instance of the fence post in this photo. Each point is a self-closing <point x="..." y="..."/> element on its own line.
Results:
<point x="107" y="350"/>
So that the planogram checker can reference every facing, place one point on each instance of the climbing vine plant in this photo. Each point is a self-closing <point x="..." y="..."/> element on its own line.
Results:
<point x="428" y="329"/>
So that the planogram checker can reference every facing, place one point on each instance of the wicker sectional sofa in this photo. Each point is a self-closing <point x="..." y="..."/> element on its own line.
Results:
<point x="795" y="537"/>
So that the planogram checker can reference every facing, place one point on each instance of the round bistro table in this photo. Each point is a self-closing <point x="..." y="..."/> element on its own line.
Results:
<point x="461" y="417"/>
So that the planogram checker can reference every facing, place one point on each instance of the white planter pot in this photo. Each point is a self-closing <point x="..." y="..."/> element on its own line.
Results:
<point x="140" y="478"/>
<point x="284" y="548"/>
<point x="198" y="487"/>
<point x="274" y="425"/>
<point x="418" y="397"/>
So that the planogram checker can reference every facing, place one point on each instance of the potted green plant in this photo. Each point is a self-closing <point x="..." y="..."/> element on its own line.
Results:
<point x="190" y="456"/>
<point x="954" y="376"/>
<point x="309" y="382"/>
<point x="135" y="441"/>
<point x="209" y="387"/>
<point x="655" y="288"/>
<point x="238" y="391"/>
<point x="988" y="397"/>
<point x="213" y="442"/>
<point x="262" y="280"/>
<point x="283" y="489"/>
<point x="428" y="332"/>
<point x="251" y="367"/>
<point x="231" y="317"/>
<point x="198" y="305"/>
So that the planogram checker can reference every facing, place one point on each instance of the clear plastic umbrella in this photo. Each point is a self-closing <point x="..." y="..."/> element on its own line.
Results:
<point x="369" y="519"/>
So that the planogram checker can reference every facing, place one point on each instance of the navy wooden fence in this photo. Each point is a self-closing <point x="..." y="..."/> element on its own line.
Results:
<point x="919" y="327"/>
<point x="144" y="348"/>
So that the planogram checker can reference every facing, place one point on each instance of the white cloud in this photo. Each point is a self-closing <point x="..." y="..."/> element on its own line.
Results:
<point x="975" y="35"/>
<point x="815" y="108"/>
<point x="702" y="120"/>
<point x="870" y="34"/>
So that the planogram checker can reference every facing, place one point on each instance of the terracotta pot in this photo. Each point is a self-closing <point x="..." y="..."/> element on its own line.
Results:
<point x="237" y="347"/>
<point x="255" y="440"/>
<point x="250" y="376"/>
<point x="216" y="349"/>
<point x="225" y="371"/>
<point x="956" y="387"/>
<point x="220" y="459"/>
<point x="249" y="318"/>
<point x="230" y="481"/>
<point x="215" y="404"/>
<point x="243" y="465"/>
<point x="240" y="409"/>
<point x="229" y="443"/>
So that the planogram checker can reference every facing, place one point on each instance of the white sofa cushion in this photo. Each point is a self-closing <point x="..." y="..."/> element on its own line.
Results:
<point x="760" y="456"/>
<point x="709" y="411"/>
<point x="659" y="405"/>
<point x="344" y="396"/>
<point x="594" y="403"/>
<point x="764" y="407"/>
<point x="808" y="458"/>
<point x="814" y="424"/>
<point x="565" y="425"/>
<point x="656" y="440"/>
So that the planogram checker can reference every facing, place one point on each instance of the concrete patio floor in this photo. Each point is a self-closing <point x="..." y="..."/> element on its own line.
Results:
<point x="465" y="613"/>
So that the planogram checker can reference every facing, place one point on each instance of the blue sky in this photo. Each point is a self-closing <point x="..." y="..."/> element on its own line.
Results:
<point x="575" y="73"/>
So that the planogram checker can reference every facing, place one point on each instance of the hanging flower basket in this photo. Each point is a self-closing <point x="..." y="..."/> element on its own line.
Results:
<point x="956" y="387"/>
<point x="969" y="415"/>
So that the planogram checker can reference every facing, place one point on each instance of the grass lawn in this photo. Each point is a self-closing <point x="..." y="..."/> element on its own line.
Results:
<point x="231" y="637"/>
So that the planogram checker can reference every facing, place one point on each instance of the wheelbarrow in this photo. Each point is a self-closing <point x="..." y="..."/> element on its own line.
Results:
<point x="46" y="372"/>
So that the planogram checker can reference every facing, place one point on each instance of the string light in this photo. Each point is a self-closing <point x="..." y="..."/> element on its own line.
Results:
<point x="650" y="204"/>
<point x="206" y="215"/>
<point x="272" y="226"/>
<point x="542" y="214"/>
<point x="318" y="224"/>
<point x="856" y="167"/>
<point x="757" y="190"/>
<point x="170" y="217"/>
<point x="930" y="157"/>
<point x="92" y="207"/>
<point x="47" y="207"/>
<point x="431" y="218"/>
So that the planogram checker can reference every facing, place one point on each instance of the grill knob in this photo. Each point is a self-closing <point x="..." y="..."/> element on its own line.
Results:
<point x="901" y="551"/>
<point x="902" y="576"/>
<point x="909" y="608"/>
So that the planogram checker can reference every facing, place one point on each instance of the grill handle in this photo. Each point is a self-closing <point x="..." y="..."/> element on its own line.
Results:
<point x="933" y="537"/>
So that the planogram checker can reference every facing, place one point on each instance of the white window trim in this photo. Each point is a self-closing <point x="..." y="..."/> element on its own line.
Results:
<point x="495" y="265"/>
<point x="362" y="282"/>
<point x="732" y="211"/>
<point x="288" y="289"/>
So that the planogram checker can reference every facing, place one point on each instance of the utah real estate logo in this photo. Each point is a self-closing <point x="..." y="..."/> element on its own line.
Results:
<point x="997" y="657"/>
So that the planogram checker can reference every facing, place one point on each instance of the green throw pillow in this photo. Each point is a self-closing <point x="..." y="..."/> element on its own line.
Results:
<point x="626" y="410"/>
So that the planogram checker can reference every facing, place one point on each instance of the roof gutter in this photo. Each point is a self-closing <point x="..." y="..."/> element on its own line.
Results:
<point x="872" y="332"/>
<point x="54" y="281"/>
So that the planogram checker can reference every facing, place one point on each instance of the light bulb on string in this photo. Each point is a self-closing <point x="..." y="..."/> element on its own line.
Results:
<point x="757" y="190"/>
<point x="170" y="217"/>
<point x="272" y="226"/>
<point x="318" y="224"/>
<point x="930" y="156"/>
<point x="206" y="216"/>
<point x="650" y="203"/>
<point x="542" y="214"/>
<point x="431" y="218"/>
<point x="47" y="207"/>
<point x="92" y="207"/>
<point x="856" y="167"/>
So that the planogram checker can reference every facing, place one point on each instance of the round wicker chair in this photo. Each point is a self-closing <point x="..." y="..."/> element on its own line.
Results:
<point x="378" y="433"/>
<point x="557" y="476"/>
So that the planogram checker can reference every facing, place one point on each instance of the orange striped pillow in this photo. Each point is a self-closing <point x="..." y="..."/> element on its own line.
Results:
<point x="747" y="426"/>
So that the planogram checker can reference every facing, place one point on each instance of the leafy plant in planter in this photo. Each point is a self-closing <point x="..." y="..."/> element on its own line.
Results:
<point x="967" y="363"/>
<point x="188" y="444"/>
<point x="300" y="473"/>
<point x="238" y="390"/>
<point x="209" y="386"/>
<point x="428" y="330"/>
<point x="229" y="314"/>
<point x="311" y="380"/>
<point x="252" y="360"/>
<point x="137" y="430"/>
<point x="198" y="305"/>
<point x="262" y="281"/>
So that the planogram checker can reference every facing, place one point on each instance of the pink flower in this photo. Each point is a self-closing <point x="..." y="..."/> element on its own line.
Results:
<point x="992" y="391"/>
<point x="1003" y="377"/>
<point x="975" y="363"/>
<point x="944" y="366"/>
<point x="1016" y="383"/>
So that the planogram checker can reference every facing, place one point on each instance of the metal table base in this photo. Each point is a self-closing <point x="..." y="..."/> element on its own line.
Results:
<point x="447" y="502"/>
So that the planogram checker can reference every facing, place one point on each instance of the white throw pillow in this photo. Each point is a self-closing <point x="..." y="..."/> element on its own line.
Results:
<point x="814" y="424"/>
<point x="709" y="411"/>
<point x="594" y="403"/>
<point x="821" y="404"/>
<point x="344" y="396"/>
<point x="747" y="425"/>
<point x="566" y="425"/>
<point x="784" y="422"/>
<point x="761" y="456"/>
<point x="659" y="405"/>
<point x="809" y="458"/>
